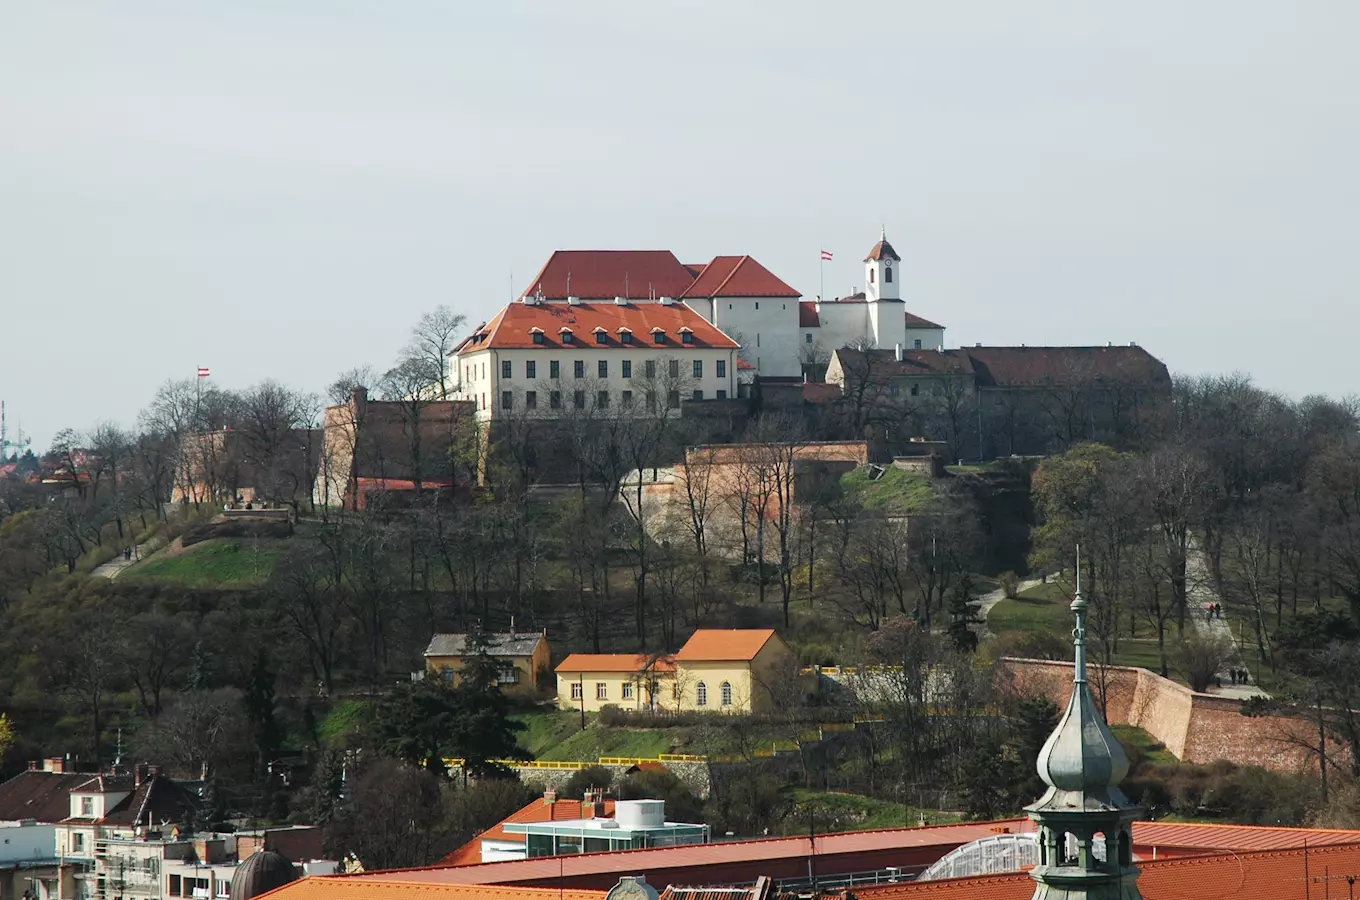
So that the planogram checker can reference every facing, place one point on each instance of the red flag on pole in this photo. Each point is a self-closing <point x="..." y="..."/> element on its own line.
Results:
<point x="826" y="255"/>
<point x="204" y="372"/>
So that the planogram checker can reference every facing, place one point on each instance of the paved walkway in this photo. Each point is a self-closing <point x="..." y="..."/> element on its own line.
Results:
<point x="114" y="567"/>
<point x="985" y="602"/>
<point x="1200" y="594"/>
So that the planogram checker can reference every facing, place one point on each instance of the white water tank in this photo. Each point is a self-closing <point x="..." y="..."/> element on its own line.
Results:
<point x="632" y="814"/>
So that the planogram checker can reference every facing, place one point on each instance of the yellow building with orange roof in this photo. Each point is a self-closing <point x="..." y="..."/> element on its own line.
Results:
<point x="730" y="670"/>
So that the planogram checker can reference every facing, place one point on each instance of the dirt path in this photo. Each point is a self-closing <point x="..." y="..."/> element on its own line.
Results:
<point x="1199" y="596"/>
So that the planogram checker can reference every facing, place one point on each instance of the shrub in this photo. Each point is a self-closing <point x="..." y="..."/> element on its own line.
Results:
<point x="589" y="778"/>
<point x="1027" y="645"/>
<point x="1009" y="583"/>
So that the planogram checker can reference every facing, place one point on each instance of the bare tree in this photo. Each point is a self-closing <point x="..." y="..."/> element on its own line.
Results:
<point x="433" y="338"/>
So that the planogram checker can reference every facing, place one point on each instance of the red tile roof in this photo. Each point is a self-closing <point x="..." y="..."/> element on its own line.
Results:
<point x="470" y="854"/>
<point x="511" y="328"/>
<point x="882" y="250"/>
<point x="657" y="860"/>
<point x="614" y="662"/>
<point x="807" y="315"/>
<point x="738" y="276"/>
<point x="348" y="887"/>
<point x="915" y="321"/>
<point x="743" y="365"/>
<point x="1262" y="875"/>
<point x="722" y="644"/>
<point x="606" y="274"/>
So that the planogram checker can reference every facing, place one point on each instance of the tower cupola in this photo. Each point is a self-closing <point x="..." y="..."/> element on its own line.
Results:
<point x="882" y="278"/>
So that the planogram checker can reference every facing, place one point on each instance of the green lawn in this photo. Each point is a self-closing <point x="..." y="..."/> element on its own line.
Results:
<point x="1043" y="607"/>
<point x="219" y="563"/>
<point x="1153" y="751"/>
<point x="545" y="729"/>
<point x="897" y="491"/>
<point x="599" y="740"/>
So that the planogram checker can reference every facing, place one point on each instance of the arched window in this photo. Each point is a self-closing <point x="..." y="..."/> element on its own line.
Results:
<point x="726" y="693"/>
<point x="871" y="276"/>
<point x="701" y="694"/>
<point x="887" y="275"/>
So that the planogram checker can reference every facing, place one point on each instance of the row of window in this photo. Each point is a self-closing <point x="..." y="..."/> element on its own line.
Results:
<point x="626" y="692"/>
<point x="602" y="368"/>
<point x="602" y="336"/>
<point x="602" y="399"/>
<point x="186" y="887"/>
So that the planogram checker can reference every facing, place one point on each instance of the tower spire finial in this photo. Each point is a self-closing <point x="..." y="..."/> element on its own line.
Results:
<point x="1079" y="632"/>
<point x="883" y="232"/>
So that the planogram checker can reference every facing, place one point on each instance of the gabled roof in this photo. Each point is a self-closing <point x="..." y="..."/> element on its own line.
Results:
<point x="915" y="321"/>
<point x="614" y="662"/>
<point x="539" y="810"/>
<point x="41" y="796"/>
<point x="606" y="274"/>
<point x="1028" y="366"/>
<point x="737" y="276"/>
<point x="498" y="644"/>
<point x="724" y="644"/>
<point x="807" y="315"/>
<point x="157" y="800"/>
<point x="512" y="327"/>
<point x="1022" y="366"/>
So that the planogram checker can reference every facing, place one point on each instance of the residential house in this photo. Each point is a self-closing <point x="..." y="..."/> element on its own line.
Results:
<point x="627" y="680"/>
<point x="717" y="670"/>
<point x="110" y="819"/>
<point x="523" y="658"/>
<point x="31" y="803"/>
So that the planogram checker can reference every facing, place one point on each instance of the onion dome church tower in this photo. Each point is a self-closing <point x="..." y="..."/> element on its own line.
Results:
<point x="1083" y="763"/>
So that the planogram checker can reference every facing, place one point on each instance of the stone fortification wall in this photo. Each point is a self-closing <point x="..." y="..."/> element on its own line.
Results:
<point x="1199" y="728"/>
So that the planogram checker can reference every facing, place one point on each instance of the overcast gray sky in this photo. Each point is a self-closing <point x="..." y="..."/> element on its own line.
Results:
<point x="279" y="189"/>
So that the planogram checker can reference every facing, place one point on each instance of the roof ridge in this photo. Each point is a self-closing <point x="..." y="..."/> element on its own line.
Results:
<point x="741" y="261"/>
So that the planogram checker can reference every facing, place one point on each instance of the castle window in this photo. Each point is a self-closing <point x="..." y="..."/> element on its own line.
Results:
<point x="887" y="275"/>
<point x="871" y="276"/>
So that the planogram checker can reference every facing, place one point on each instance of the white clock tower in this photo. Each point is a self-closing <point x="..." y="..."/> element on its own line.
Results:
<point x="882" y="275"/>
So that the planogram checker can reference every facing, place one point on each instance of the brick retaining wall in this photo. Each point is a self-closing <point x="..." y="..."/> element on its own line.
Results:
<point x="1198" y="728"/>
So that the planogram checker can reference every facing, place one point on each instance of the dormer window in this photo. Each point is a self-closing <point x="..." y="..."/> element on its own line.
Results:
<point x="567" y="337"/>
<point x="601" y="336"/>
<point x="625" y="336"/>
<point x="87" y="807"/>
<point x="537" y="335"/>
<point x="658" y="336"/>
<point x="686" y="336"/>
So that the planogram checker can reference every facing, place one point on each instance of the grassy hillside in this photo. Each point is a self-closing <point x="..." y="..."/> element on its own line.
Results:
<point x="896" y="491"/>
<point x="220" y="563"/>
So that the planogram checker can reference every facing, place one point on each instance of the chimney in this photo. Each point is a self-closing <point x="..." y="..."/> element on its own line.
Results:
<point x="54" y="764"/>
<point x="359" y="396"/>
<point x="899" y="352"/>
<point x="549" y="797"/>
<point x="138" y="774"/>
<point x="512" y="626"/>
<point x="35" y="765"/>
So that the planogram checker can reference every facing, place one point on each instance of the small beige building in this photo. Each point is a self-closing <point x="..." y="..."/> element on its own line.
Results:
<point x="524" y="658"/>
<point x="717" y="670"/>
